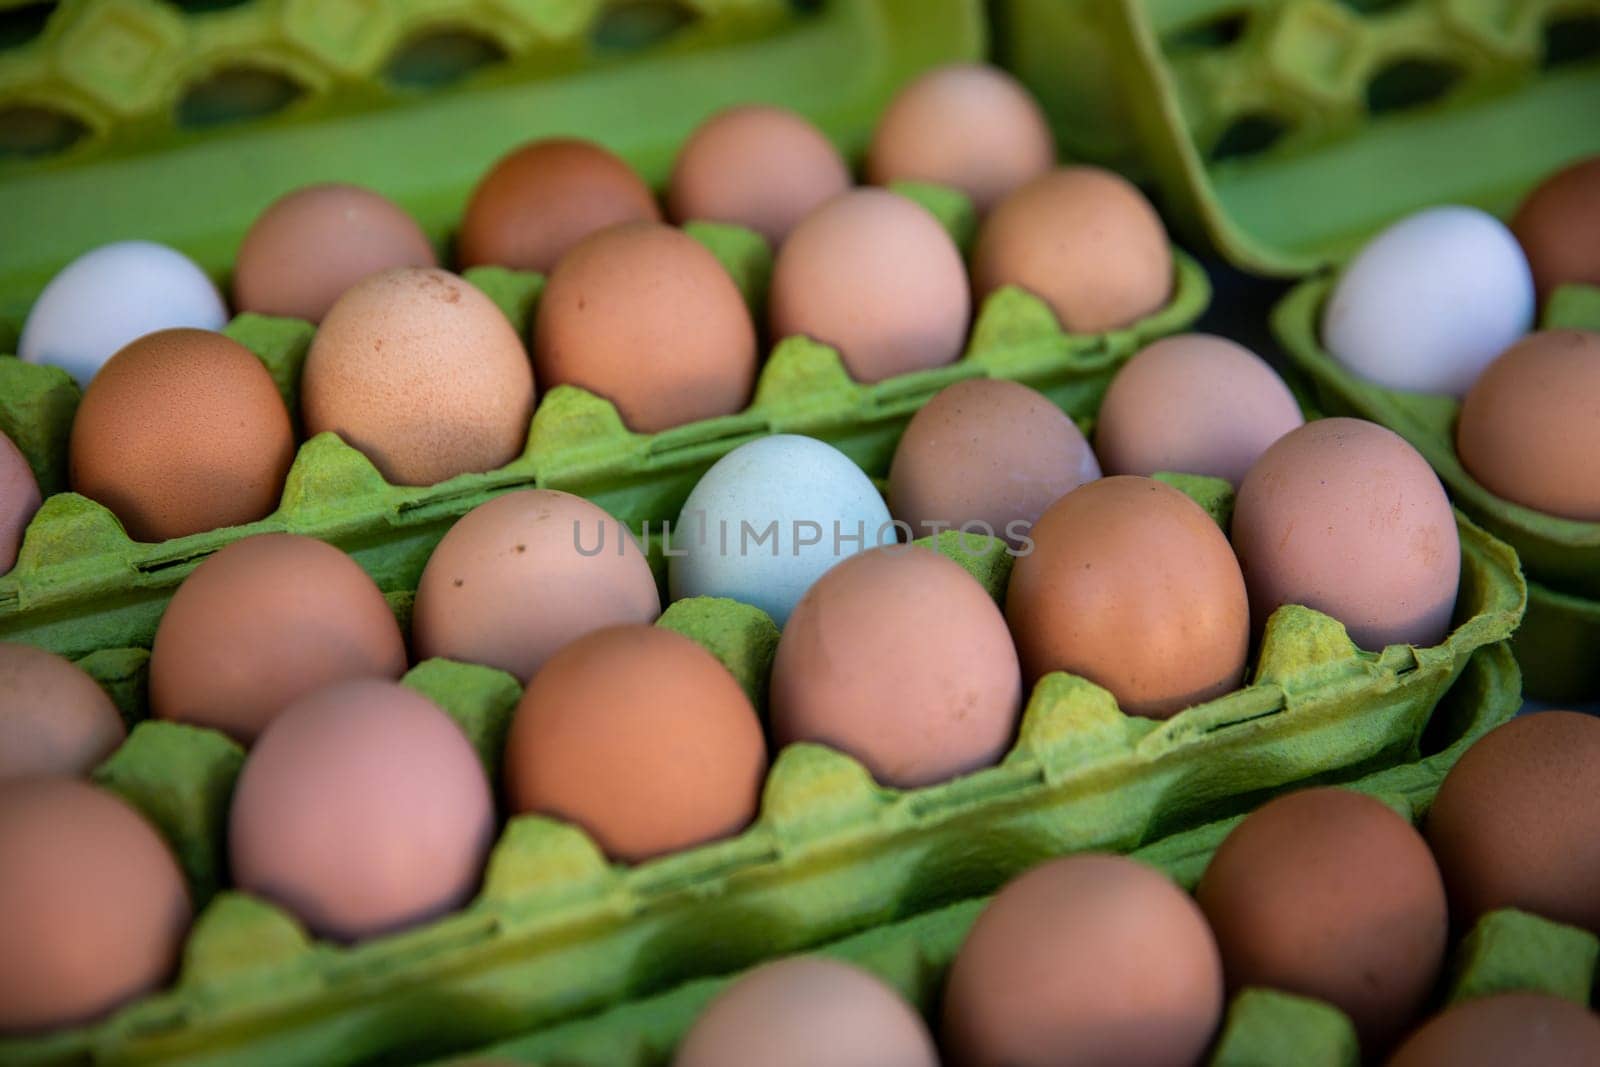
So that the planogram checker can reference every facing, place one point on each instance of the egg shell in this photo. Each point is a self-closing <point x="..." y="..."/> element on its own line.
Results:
<point x="362" y="809"/>
<point x="1558" y="226"/>
<point x="1329" y="894"/>
<point x="877" y="277"/>
<point x="540" y="200"/>
<point x="54" y="718"/>
<point x="987" y="454"/>
<point x="262" y="623"/>
<point x="93" y="908"/>
<point x="421" y="372"/>
<point x="1345" y="517"/>
<point x="518" y="577"/>
<point x="645" y="316"/>
<point x="19" y="500"/>
<point x="1091" y="959"/>
<point x="642" y="738"/>
<point x="805" y="1011"/>
<point x="1426" y="304"/>
<point x="181" y="432"/>
<point x="1194" y="404"/>
<point x="1526" y="1029"/>
<point x="769" y="518"/>
<point x="111" y="296"/>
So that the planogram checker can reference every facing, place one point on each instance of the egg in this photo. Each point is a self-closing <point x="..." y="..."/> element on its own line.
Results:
<point x="93" y="908"/>
<point x="1091" y="959"/>
<point x="311" y="245"/>
<point x="1558" y="227"/>
<point x="1426" y="304"/>
<point x="642" y="738"/>
<point x="1193" y="404"/>
<point x="19" y="500"/>
<point x="1516" y="823"/>
<point x="361" y="810"/>
<point x="182" y="432"/>
<point x="1329" y="894"/>
<point x="518" y="577"/>
<point x="1526" y="1029"/>
<point x="1083" y="240"/>
<point x="863" y="667"/>
<point x="111" y="296"/>
<point x="262" y="623"/>
<point x="1130" y="584"/>
<point x="966" y="125"/>
<point x="1529" y="428"/>
<point x="761" y="167"/>
<point x="421" y="372"/>
<point x="805" y="1011"/>
<point x="877" y="277"/>
<point x="769" y="518"/>
<point x="539" y="201"/>
<point x="645" y="316"/>
<point x="988" y="456"/>
<point x="54" y="718"/>
<point x="1345" y="517"/>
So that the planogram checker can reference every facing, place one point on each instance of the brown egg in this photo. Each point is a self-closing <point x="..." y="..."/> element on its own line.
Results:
<point x="1086" y="960"/>
<point x="1525" y="1029"/>
<point x="1516" y="823"/>
<point x="1193" y="404"/>
<point x="1345" y="517"/>
<point x="988" y="454"/>
<point x="646" y="317"/>
<point x="182" y="431"/>
<point x="361" y="810"/>
<point x="93" y="908"/>
<point x="264" y="622"/>
<point x="1129" y="583"/>
<point x="1529" y="429"/>
<point x="54" y="718"/>
<point x="542" y="199"/>
<point x="874" y="275"/>
<point x="969" y="126"/>
<point x="761" y="167"/>
<point x="1084" y="241"/>
<point x="421" y="372"/>
<point x="803" y="1012"/>
<point x="1329" y="894"/>
<point x="642" y="738"/>
<point x="520" y="576"/>
<point x="19" y="500"/>
<point x="1558" y="226"/>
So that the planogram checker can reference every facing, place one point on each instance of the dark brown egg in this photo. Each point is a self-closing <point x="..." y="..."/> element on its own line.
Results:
<point x="19" y="500"/>
<point x="1558" y="226"/>
<point x="54" y="718"/>
<point x="1521" y="1029"/>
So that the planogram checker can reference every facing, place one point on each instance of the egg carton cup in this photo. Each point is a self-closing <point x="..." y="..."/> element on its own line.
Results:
<point x="1561" y="556"/>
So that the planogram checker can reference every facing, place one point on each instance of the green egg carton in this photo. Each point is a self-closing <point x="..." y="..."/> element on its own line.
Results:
<point x="1559" y="638"/>
<point x="1262" y="1028"/>
<point x="1288" y="131"/>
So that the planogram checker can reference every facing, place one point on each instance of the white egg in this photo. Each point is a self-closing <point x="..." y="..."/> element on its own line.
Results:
<point x="1431" y="301"/>
<point x="769" y="518"/>
<point x="112" y="295"/>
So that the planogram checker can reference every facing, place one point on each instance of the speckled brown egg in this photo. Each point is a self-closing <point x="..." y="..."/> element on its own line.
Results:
<point x="539" y="201"/>
<point x="1130" y="584"/>
<point x="1083" y="240"/>
<point x="1329" y="894"/>
<point x="265" y="621"/>
<point x="646" y="317"/>
<point x="987" y="454"/>
<point x="642" y="738"/>
<point x="1345" y="517"/>
<point x="1558" y="226"/>
<point x="1087" y="960"/>
<point x="1529" y="429"/>
<point x="421" y="372"/>
<point x="765" y="168"/>
<point x="54" y="718"/>
<point x="181" y="432"/>
<point x="1525" y="1029"/>
<point x="93" y="908"/>
<point x="19" y="501"/>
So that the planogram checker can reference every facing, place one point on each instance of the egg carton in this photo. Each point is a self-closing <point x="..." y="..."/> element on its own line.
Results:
<point x="1507" y="950"/>
<point x="1557" y="641"/>
<point x="1288" y="131"/>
